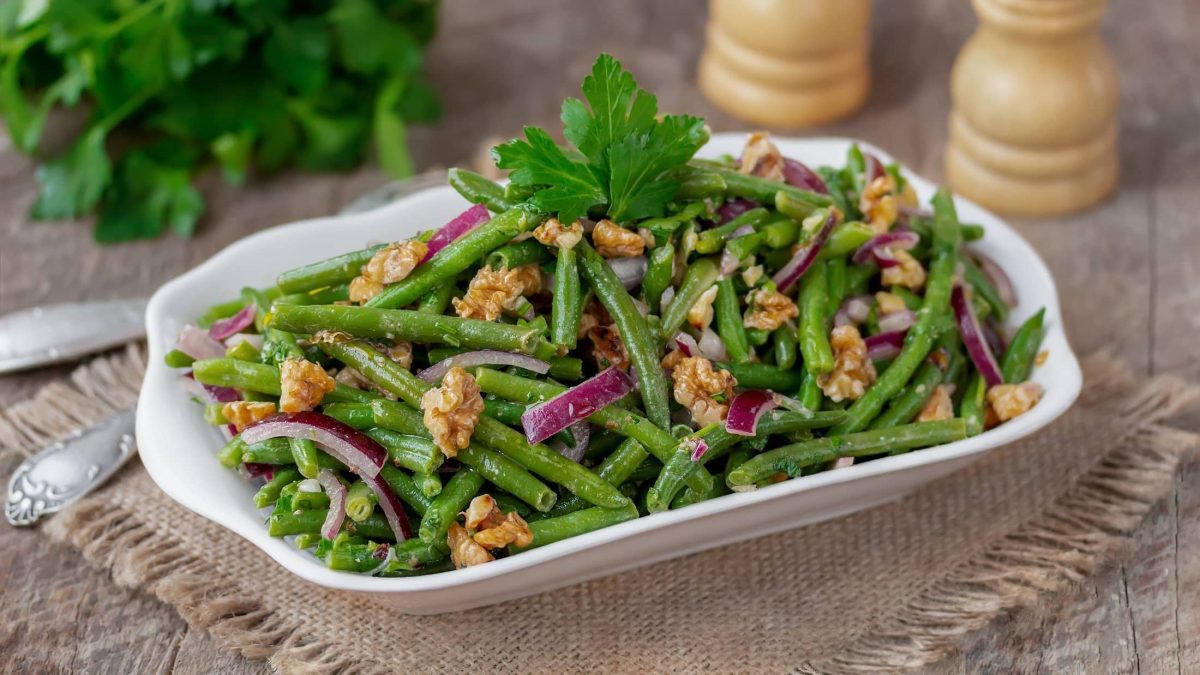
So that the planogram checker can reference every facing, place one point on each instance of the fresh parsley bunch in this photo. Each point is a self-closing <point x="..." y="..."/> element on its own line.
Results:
<point x="186" y="84"/>
<point x="621" y="154"/>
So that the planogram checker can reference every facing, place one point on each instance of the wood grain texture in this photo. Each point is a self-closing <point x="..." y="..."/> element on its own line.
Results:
<point x="1126" y="271"/>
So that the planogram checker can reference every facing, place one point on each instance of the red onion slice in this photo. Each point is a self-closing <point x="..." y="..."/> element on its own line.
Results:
<point x="804" y="258"/>
<point x="734" y="208"/>
<point x="348" y="445"/>
<point x="998" y="277"/>
<point x="582" y="434"/>
<point x="699" y="447"/>
<point x="790" y="403"/>
<point x="972" y="335"/>
<point x="629" y="270"/>
<point x="798" y="174"/>
<point x="224" y="328"/>
<point x="257" y="470"/>
<point x="198" y="344"/>
<point x="710" y="345"/>
<point x="483" y="357"/>
<point x="393" y="510"/>
<point x="686" y="344"/>
<point x="337" y="503"/>
<point x="746" y="409"/>
<point x="885" y="345"/>
<point x="905" y="239"/>
<point x="875" y="168"/>
<point x="729" y="264"/>
<point x="898" y="322"/>
<point x="462" y="224"/>
<point x="854" y="310"/>
<point x="668" y="295"/>
<point x="545" y="419"/>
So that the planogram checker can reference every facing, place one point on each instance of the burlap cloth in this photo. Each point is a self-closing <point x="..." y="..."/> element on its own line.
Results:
<point x="884" y="589"/>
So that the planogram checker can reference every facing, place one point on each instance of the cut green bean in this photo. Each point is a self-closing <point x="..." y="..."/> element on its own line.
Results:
<point x="458" y="492"/>
<point x="566" y="307"/>
<point x="360" y="501"/>
<point x="551" y="530"/>
<point x="728" y="312"/>
<point x="515" y="255"/>
<point x="430" y="484"/>
<point x="1017" y="362"/>
<point x="763" y="376"/>
<point x="479" y="190"/>
<point x="784" y="347"/>
<point x="659" y="270"/>
<point x="262" y="378"/>
<point x="305" y="454"/>
<point x="269" y="492"/>
<point x="404" y="487"/>
<point x="814" y="312"/>
<point x="330" y="272"/>
<point x="908" y="403"/>
<point x="700" y="277"/>
<point x="357" y="415"/>
<point x="414" y="453"/>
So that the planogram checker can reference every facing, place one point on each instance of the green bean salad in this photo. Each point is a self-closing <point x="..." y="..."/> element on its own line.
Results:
<point x="621" y="329"/>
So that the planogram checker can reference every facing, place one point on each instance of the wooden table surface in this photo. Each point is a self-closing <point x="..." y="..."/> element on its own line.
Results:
<point x="1126" y="272"/>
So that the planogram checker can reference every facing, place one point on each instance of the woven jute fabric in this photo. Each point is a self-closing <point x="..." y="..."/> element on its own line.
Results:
<point x="881" y="590"/>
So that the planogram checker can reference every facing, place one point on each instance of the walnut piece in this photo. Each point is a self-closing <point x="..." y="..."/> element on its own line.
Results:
<point x="852" y="371"/>
<point x="760" y="157"/>
<point x="464" y="552"/>
<point x="363" y="289"/>
<point x="302" y="385"/>
<point x="614" y="241"/>
<point x="395" y="261"/>
<point x="878" y="203"/>
<point x="889" y="303"/>
<point x="1041" y="357"/>
<point x="554" y="233"/>
<point x="511" y="530"/>
<point x="608" y="347"/>
<point x="452" y="410"/>
<point x="482" y="513"/>
<point x="1011" y="400"/>
<point x="401" y="352"/>
<point x="492" y="292"/>
<point x="769" y="310"/>
<point x="242" y="414"/>
<point x="696" y="383"/>
<point x="908" y="273"/>
<point x="752" y="274"/>
<point x="700" y="314"/>
<point x="939" y="405"/>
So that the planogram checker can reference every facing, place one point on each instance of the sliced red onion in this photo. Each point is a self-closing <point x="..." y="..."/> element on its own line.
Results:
<point x="994" y="339"/>
<point x="905" y="239"/>
<point x="223" y="328"/>
<point x="729" y="264"/>
<point x="853" y="311"/>
<point x="710" y="345"/>
<point x="734" y="208"/>
<point x="875" y="168"/>
<point x="337" y="503"/>
<point x="798" y="174"/>
<point x="257" y="470"/>
<point x="642" y="307"/>
<point x="393" y="510"/>
<point x="998" y="277"/>
<point x="686" y="344"/>
<point x="462" y="224"/>
<point x="972" y="336"/>
<point x="582" y="433"/>
<point x="699" y="447"/>
<point x="897" y="322"/>
<point x="545" y="419"/>
<point x="790" y="403"/>
<point x="347" y="445"/>
<point x="253" y="339"/>
<point x="198" y="344"/>
<point x="742" y="231"/>
<point x="804" y="258"/>
<point x="629" y="270"/>
<point x="483" y="357"/>
<point x="746" y="409"/>
<point x="668" y="295"/>
<point x="885" y="345"/>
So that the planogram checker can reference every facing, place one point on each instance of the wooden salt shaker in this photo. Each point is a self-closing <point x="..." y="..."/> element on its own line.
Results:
<point x="1033" y="129"/>
<point x="787" y="63"/>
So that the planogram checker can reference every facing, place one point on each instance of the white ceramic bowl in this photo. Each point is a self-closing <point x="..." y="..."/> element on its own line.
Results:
<point x="178" y="447"/>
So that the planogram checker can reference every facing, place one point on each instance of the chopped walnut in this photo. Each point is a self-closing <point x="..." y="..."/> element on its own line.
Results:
<point x="395" y="261"/>
<point x="700" y="314"/>
<point x="1041" y="357"/>
<point x="614" y="241"/>
<point x="696" y="383"/>
<point x="452" y="410"/>
<point x="352" y="378"/>
<point x="492" y="292"/>
<point x="363" y="289"/>
<point x="464" y="552"/>
<point x="889" y="303"/>
<point x="511" y="530"/>
<point x="647" y="236"/>
<point x="760" y="157"/>
<point x="401" y="352"/>
<point x="242" y="414"/>
<point x="482" y="513"/>
<point x="672" y="359"/>
<point x="878" y="203"/>
<point x="554" y="233"/>
<point x="752" y="274"/>
<point x="1011" y="400"/>
<point x="608" y="347"/>
<point x="938" y="406"/>
<point x="852" y="370"/>
<point x="908" y="196"/>
<point x="594" y="314"/>
<point x="769" y="310"/>
<point x="908" y="273"/>
<point x="302" y="385"/>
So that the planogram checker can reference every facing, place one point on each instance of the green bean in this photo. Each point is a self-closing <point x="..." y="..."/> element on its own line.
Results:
<point x="780" y="233"/>
<point x="663" y="228"/>
<point x="744" y="246"/>
<point x="561" y="367"/>
<point x="814" y="312"/>
<point x="230" y="456"/>
<point x="515" y="255"/>
<point x="269" y="492"/>
<point x="550" y="530"/>
<point x="414" y="554"/>
<point x="305" y="453"/>
<point x="360" y="501"/>
<point x="785" y="347"/>
<point x="291" y="498"/>
<point x="701" y="184"/>
<point x="214" y="414"/>
<point x="763" y="376"/>
<point x="286" y="523"/>
<point x="1017" y="362"/>
<point x="908" y="403"/>
<point x="566" y="307"/>
<point x="758" y="189"/>
<point x="374" y="526"/>
<point x="357" y="558"/>
<point x="616" y="469"/>
<point x="810" y="392"/>
<point x="279" y="346"/>
<point x="243" y="351"/>
<point x="845" y="239"/>
<point x="947" y="237"/>
<point x="262" y="378"/>
<point x="509" y="413"/>
<point x="858" y="278"/>
<point x="737" y="457"/>
<point x="430" y="484"/>
<point x="405" y="488"/>
<point x="791" y="459"/>
<point x="410" y="326"/>
<point x="414" y="453"/>
<point x="320" y="296"/>
<point x="972" y="231"/>
<point x="436" y="301"/>
<point x="856" y="167"/>
<point x="700" y="277"/>
<point x="479" y="190"/>
<point x="357" y="415"/>
<point x="689" y="497"/>
<point x="713" y="240"/>
<point x="835" y="276"/>
<point x="728" y="313"/>
<point x="459" y="491"/>
<point x="330" y="272"/>
<point x="642" y="347"/>
<point x="659" y="270"/>
<point x="222" y="310"/>
<point x="278" y="452"/>
<point x="177" y="359"/>
<point x="456" y="257"/>
<point x="984" y="289"/>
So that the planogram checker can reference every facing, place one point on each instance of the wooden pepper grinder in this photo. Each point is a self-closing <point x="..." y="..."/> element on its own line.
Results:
<point x="787" y="63"/>
<point x="1033" y="129"/>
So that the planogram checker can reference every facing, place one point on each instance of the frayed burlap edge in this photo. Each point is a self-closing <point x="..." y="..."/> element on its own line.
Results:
<point x="1062" y="545"/>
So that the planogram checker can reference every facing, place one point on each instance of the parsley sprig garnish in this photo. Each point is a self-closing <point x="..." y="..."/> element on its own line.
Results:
<point x="620" y="154"/>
